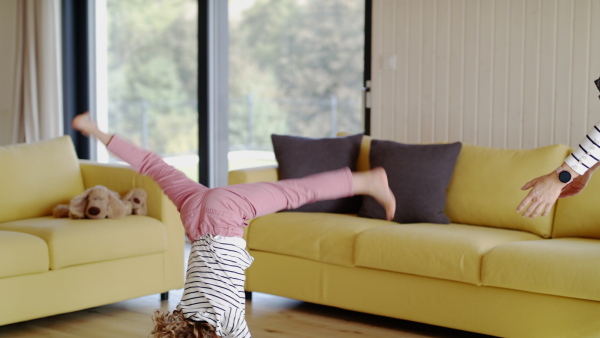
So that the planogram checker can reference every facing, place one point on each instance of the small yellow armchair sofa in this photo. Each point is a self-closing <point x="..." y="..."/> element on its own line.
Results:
<point x="52" y="265"/>
<point x="489" y="271"/>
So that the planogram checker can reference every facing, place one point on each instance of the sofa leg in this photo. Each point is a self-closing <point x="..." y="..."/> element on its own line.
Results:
<point x="164" y="296"/>
<point x="248" y="295"/>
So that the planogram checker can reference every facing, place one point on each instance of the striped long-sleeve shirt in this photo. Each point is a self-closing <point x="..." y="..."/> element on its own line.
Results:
<point x="214" y="286"/>
<point x="587" y="153"/>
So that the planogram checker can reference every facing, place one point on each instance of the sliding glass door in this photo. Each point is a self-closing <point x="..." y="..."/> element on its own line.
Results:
<point x="296" y="67"/>
<point x="146" y="85"/>
<point x="293" y="67"/>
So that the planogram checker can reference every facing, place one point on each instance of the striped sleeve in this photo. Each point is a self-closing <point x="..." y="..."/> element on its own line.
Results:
<point x="587" y="153"/>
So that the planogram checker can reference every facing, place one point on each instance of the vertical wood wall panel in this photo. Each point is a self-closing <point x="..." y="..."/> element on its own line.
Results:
<point x="500" y="73"/>
<point x="500" y="70"/>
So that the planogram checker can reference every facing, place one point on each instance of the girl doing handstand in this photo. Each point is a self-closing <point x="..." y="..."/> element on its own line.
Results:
<point x="213" y="302"/>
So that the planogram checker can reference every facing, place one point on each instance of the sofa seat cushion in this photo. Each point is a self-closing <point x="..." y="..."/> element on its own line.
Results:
<point x="73" y="242"/>
<point x="562" y="267"/>
<point x="321" y="237"/>
<point x="445" y="251"/>
<point x="22" y="254"/>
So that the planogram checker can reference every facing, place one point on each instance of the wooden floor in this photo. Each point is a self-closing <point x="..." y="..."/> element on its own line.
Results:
<point x="267" y="316"/>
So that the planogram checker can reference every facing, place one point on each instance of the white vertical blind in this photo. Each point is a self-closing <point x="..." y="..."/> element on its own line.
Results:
<point x="500" y="73"/>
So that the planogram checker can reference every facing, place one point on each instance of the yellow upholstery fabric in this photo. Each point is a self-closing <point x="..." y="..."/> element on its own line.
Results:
<point x="250" y="175"/>
<point x="122" y="178"/>
<point x="495" y="311"/>
<point x="563" y="267"/>
<point x="486" y="186"/>
<point x="22" y="254"/>
<point x="27" y="190"/>
<point x="50" y="266"/>
<point x="74" y="242"/>
<point x="317" y="236"/>
<point x="363" y="163"/>
<point x="447" y="251"/>
<point x="579" y="216"/>
<point x="79" y="287"/>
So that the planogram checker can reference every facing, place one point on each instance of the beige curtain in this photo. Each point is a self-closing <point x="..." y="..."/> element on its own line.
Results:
<point x="38" y="104"/>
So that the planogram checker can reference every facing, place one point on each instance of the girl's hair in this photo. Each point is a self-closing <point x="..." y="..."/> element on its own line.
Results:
<point x="175" y="325"/>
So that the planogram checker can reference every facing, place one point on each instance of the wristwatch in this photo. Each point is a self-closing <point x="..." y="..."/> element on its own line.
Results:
<point x="563" y="175"/>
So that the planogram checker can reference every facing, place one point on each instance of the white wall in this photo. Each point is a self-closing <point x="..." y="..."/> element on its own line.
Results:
<point x="501" y="73"/>
<point x="8" y="10"/>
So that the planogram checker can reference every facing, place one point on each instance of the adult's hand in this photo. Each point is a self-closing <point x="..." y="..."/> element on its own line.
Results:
<point x="544" y="192"/>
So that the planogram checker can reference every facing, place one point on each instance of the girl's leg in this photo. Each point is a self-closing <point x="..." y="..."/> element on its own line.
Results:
<point x="173" y="182"/>
<point x="86" y="126"/>
<point x="267" y="197"/>
<point x="374" y="183"/>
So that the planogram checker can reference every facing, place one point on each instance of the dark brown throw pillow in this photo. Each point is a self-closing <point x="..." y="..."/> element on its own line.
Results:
<point x="418" y="175"/>
<point x="300" y="156"/>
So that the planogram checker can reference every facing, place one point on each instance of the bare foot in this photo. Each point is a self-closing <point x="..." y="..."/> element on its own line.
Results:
<point x="375" y="183"/>
<point x="381" y="191"/>
<point x="83" y="123"/>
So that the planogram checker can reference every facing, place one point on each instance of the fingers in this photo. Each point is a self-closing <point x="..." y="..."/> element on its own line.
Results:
<point x="529" y="196"/>
<point x="524" y="203"/>
<point x="535" y="209"/>
<point x="546" y="210"/>
<point x="534" y="205"/>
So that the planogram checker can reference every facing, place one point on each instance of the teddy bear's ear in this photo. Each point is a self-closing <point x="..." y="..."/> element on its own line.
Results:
<point x="116" y="208"/>
<point x="78" y="204"/>
<point x="143" y="209"/>
<point x="128" y="195"/>
<point x="61" y="211"/>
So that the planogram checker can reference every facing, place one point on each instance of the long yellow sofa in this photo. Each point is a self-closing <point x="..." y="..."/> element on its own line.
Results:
<point x="52" y="265"/>
<point x="489" y="271"/>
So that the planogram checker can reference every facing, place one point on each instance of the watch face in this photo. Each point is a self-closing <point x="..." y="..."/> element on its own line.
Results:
<point x="564" y="176"/>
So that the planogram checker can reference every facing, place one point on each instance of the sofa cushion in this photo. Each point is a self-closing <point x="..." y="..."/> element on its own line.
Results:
<point x="446" y="251"/>
<point x="321" y="237"/>
<point x="562" y="267"/>
<point x="486" y="186"/>
<point x="579" y="216"/>
<point x="418" y="175"/>
<point x="72" y="242"/>
<point x="300" y="156"/>
<point x="22" y="254"/>
<point x="35" y="177"/>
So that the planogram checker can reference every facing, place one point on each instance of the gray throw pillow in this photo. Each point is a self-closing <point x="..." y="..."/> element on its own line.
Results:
<point x="418" y="176"/>
<point x="300" y="156"/>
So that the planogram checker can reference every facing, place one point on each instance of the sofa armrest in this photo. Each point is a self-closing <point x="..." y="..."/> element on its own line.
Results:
<point x="121" y="178"/>
<point x="251" y="175"/>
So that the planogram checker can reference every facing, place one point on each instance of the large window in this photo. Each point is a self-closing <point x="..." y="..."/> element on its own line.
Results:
<point x="296" y="68"/>
<point x="147" y="76"/>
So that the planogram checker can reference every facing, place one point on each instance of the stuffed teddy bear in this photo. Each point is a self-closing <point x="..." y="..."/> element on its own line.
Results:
<point x="135" y="200"/>
<point x="95" y="203"/>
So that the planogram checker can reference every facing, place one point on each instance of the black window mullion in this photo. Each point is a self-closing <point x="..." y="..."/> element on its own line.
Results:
<point x="76" y="96"/>
<point x="203" y="91"/>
